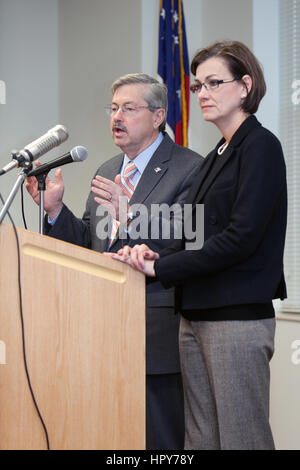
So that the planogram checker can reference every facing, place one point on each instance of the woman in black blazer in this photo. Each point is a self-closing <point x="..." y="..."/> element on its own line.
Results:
<point x="227" y="286"/>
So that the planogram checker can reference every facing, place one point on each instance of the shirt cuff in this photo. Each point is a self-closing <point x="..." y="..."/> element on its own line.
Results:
<point x="52" y="221"/>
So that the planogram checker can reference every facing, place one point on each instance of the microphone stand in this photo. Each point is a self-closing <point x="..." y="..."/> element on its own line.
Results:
<point x="27" y="167"/>
<point x="41" y="187"/>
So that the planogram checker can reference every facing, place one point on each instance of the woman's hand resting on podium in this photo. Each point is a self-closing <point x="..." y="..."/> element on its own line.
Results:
<point x="140" y="257"/>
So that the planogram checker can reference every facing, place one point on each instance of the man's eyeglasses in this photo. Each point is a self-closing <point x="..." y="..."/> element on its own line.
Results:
<point x="210" y="85"/>
<point x="127" y="109"/>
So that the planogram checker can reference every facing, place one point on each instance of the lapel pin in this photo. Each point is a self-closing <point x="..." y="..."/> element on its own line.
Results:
<point x="157" y="170"/>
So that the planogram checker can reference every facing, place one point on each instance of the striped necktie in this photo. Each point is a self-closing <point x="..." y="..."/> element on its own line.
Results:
<point x="128" y="188"/>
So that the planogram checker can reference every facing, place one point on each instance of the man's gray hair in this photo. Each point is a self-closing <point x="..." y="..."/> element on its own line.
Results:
<point x="156" y="95"/>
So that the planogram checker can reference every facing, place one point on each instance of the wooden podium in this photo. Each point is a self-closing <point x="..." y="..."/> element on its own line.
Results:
<point x="84" y="318"/>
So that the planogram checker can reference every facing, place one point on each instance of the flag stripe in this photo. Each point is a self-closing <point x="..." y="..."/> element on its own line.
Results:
<point x="183" y="97"/>
<point x="173" y="66"/>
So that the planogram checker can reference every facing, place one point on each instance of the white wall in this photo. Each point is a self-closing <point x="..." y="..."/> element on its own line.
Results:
<point x="266" y="48"/>
<point x="285" y="386"/>
<point x="29" y="67"/>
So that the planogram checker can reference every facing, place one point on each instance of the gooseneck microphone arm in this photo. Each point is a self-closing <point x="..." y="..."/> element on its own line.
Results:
<point x="53" y="138"/>
<point x="77" y="154"/>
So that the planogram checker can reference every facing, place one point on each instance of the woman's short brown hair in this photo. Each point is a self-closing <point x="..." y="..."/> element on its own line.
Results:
<point x="241" y="61"/>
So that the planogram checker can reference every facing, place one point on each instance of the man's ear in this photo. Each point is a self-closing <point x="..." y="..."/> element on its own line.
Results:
<point x="159" y="117"/>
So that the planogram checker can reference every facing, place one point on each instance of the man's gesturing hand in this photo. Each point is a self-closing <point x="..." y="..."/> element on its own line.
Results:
<point x="112" y="196"/>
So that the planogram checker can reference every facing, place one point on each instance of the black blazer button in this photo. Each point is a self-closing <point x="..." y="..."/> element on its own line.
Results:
<point x="213" y="219"/>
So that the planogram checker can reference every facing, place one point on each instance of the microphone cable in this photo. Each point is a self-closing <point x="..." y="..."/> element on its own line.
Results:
<point x="22" y="205"/>
<point x="23" y="332"/>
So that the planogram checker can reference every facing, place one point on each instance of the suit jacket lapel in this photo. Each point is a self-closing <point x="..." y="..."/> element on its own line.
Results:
<point x="207" y="177"/>
<point x="218" y="162"/>
<point x="153" y="172"/>
<point x="116" y="166"/>
<point x="114" y="171"/>
<point x="201" y="177"/>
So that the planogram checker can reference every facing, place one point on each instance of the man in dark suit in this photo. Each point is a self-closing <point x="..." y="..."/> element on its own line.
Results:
<point x="162" y="173"/>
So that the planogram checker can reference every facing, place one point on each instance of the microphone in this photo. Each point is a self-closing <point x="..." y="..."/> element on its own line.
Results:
<point x="53" y="138"/>
<point x="77" y="154"/>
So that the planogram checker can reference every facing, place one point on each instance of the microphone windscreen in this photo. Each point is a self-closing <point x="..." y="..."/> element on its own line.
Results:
<point x="79" y="153"/>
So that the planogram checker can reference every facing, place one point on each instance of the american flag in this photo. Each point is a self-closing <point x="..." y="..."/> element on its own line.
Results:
<point x="173" y="67"/>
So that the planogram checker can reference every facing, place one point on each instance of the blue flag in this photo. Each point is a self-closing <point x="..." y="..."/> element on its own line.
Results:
<point x="173" y="67"/>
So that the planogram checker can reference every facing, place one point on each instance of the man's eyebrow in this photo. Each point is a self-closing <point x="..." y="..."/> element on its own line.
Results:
<point x="127" y="102"/>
